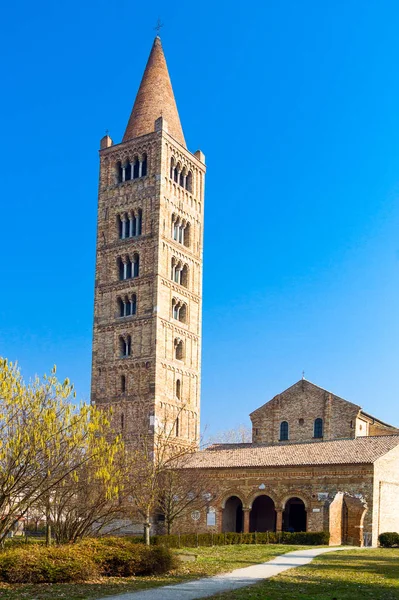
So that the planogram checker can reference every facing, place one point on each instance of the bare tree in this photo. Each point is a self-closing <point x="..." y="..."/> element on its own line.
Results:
<point x="237" y="435"/>
<point x="182" y="490"/>
<point x="87" y="504"/>
<point x="149" y="464"/>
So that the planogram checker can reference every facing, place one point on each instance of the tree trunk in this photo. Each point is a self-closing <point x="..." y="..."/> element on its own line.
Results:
<point x="147" y="527"/>
<point x="48" y="527"/>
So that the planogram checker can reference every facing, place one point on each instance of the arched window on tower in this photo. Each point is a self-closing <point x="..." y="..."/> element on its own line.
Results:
<point x="128" y="171"/>
<point x="179" y="310"/>
<point x="121" y="269"/>
<point x="122" y="307"/>
<point x="184" y="276"/>
<point x="318" y="428"/>
<point x="179" y="349"/>
<point x="136" y="265"/>
<point x="123" y="384"/>
<point x="133" y="304"/>
<point x="175" y="228"/>
<point x="136" y="166"/>
<point x="284" y="431"/>
<point x="144" y="165"/>
<point x="177" y="173"/>
<point x="175" y="309"/>
<point x="178" y="389"/>
<point x="186" y="238"/>
<point x="189" y="182"/>
<point x="177" y="427"/>
<point x="125" y="346"/>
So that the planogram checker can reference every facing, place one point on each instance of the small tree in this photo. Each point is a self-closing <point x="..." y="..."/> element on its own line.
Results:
<point x="87" y="501"/>
<point x="44" y="441"/>
<point x="182" y="490"/>
<point x="148" y="463"/>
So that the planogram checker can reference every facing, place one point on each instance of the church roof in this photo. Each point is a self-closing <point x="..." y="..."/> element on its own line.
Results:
<point x="154" y="99"/>
<point x="361" y="450"/>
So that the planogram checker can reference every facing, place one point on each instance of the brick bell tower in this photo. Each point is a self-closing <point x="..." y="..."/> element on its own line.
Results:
<point x="148" y="285"/>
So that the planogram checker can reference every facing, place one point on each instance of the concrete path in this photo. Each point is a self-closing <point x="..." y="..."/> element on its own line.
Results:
<point x="208" y="586"/>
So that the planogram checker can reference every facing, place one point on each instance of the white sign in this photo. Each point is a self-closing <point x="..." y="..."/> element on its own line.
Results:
<point x="262" y="486"/>
<point x="195" y="515"/>
<point x="316" y="510"/>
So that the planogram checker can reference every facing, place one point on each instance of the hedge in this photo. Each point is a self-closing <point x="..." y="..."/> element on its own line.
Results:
<point x="87" y="560"/>
<point x="318" y="538"/>
<point x="389" y="539"/>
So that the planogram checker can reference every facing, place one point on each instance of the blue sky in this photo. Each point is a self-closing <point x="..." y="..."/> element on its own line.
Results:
<point x="295" y="105"/>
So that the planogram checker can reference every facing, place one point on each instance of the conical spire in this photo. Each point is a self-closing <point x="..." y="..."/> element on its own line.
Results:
<point x="154" y="99"/>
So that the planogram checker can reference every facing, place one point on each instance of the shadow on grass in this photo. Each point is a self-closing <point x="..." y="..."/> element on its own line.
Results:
<point x="316" y="588"/>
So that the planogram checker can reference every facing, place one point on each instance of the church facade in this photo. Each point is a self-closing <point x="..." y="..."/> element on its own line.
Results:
<point x="316" y="461"/>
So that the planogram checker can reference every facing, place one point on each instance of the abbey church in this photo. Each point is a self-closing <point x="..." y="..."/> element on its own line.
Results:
<point x="316" y="461"/>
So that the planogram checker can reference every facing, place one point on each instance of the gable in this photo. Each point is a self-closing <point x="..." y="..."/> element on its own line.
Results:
<point x="303" y="395"/>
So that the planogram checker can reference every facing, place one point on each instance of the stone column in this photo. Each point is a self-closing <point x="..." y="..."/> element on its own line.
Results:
<point x="131" y="220"/>
<point x="123" y="173"/>
<point x="279" y="520"/>
<point x="246" y="513"/>
<point x="140" y="168"/>
<point x="124" y="223"/>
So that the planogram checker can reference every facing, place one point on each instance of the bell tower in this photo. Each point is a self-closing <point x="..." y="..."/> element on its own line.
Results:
<point x="148" y="285"/>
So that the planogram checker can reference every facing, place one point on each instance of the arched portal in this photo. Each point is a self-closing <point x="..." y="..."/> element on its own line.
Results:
<point x="294" y="515"/>
<point x="233" y="515"/>
<point x="263" y="514"/>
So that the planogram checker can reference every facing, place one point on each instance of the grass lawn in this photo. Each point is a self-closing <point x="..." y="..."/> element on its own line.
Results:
<point x="347" y="575"/>
<point x="210" y="561"/>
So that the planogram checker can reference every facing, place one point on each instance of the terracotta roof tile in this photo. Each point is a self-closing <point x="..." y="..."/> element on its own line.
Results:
<point x="362" y="450"/>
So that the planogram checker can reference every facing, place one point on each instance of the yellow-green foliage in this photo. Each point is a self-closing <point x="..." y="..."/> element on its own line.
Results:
<point x="44" y="439"/>
<point x="83" y="561"/>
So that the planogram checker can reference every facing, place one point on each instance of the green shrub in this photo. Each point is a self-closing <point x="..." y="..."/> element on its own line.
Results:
<point x="388" y="539"/>
<point x="157" y="560"/>
<point x="191" y="540"/>
<point x="89" y="559"/>
<point x="123" y="557"/>
<point x="37" y="564"/>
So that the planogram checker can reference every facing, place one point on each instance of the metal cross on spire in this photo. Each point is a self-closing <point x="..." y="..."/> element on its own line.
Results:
<point x="158" y="26"/>
<point x="303" y="374"/>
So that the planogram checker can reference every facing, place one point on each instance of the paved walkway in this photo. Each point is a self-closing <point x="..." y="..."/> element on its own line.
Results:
<point x="208" y="586"/>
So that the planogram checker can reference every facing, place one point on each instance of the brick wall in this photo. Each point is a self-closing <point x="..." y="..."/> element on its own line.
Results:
<point x="300" y="405"/>
<point x="152" y="369"/>
<point x="318" y="487"/>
